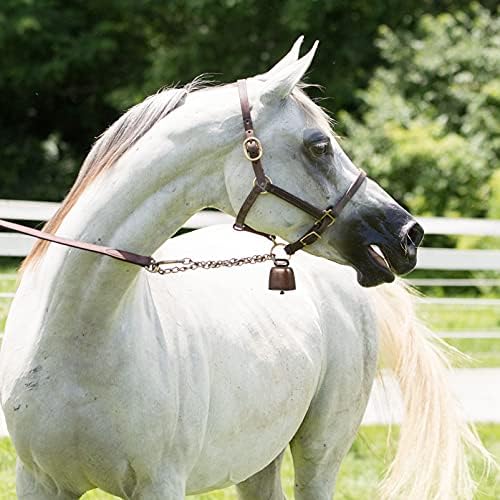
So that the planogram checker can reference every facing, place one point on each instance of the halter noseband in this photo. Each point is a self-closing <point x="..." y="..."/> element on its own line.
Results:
<point x="252" y="148"/>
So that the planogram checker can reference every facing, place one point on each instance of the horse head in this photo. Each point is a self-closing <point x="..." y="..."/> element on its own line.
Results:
<point x="301" y="154"/>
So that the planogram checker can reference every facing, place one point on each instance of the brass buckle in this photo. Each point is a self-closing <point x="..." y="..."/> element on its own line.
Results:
<point x="327" y="213"/>
<point x="259" y="145"/>
<point x="318" y="237"/>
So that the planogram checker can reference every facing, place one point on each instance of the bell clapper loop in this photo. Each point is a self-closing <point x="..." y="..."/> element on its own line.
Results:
<point x="281" y="262"/>
<point x="281" y="276"/>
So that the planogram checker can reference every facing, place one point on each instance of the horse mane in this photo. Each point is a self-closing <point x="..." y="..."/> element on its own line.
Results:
<point x="315" y="113"/>
<point x="110" y="146"/>
<point x="113" y="143"/>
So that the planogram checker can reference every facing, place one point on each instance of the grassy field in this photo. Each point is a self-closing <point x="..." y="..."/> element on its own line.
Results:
<point x="358" y="478"/>
<point x="485" y="353"/>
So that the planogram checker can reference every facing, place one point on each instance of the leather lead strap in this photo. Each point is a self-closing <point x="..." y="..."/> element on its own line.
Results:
<point x="130" y="257"/>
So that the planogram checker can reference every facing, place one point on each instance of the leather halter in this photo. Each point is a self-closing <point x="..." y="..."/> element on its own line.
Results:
<point x="262" y="184"/>
<point x="253" y="151"/>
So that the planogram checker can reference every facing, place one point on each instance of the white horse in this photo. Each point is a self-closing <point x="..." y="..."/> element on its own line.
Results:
<point x="151" y="387"/>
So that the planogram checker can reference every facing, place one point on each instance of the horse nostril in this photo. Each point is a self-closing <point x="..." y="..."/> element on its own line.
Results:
<point x="415" y="234"/>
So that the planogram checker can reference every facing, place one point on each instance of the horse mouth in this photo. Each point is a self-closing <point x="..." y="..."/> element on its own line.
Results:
<point x="377" y="256"/>
<point x="381" y="264"/>
<point x="379" y="269"/>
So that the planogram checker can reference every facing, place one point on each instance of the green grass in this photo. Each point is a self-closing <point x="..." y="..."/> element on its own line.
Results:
<point x="485" y="353"/>
<point x="358" y="477"/>
<point x="460" y="318"/>
<point x="7" y="469"/>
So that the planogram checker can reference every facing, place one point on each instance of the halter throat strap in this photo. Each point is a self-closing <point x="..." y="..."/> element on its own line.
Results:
<point x="252" y="149"/>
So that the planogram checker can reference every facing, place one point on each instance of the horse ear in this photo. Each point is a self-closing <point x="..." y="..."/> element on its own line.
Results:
<point x="281" y="84"/>
<point x="283" y="63"/>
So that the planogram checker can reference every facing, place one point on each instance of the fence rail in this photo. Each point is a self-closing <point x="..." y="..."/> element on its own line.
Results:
<point x="44" y="210"/>
<point x="455" y="282"/>
<point x="16" y="245"/>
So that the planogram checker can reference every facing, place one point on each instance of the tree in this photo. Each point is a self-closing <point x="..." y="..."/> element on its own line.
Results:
<point x="430" y="122"/>
<point x="60" y="63"/>
<point x="69" y="69"/>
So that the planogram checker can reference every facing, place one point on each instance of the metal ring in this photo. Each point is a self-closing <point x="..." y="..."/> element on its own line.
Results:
<point x="269" y="181"/>
<point x="259" y="145"/>
<point x="273" y="255"/>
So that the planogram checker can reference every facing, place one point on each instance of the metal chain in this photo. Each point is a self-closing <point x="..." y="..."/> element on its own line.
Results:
<point x="188" y="264"/>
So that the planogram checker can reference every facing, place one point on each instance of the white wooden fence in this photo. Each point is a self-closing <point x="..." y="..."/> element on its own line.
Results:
<point x="18" y="245"/>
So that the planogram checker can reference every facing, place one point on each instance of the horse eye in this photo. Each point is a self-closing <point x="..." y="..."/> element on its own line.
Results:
<point x="320" y="148"/>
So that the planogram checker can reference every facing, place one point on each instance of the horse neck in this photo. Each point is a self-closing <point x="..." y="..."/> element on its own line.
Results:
<point x="170" y="174"/>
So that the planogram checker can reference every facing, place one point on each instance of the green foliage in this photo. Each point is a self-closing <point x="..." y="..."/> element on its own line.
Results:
<point x="69" y="69"/>
<point x="60" y="60"/>
<point x="494" y="204"/>
<point x="430" y="126"/>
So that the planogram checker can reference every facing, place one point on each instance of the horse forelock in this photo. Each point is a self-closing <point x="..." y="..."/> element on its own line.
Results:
<point x="315" y="114"/>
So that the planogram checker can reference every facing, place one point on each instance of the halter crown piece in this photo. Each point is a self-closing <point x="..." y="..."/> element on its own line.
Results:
<point x="281" y="276"/>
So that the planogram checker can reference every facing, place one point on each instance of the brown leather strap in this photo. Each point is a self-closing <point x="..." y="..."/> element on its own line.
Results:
<point x="253" y="151"/>
<point x="249" y="229"/>
<point x="250" y="145"/>
<point x="327" y="219"/>
<point x="247" y="205"/>
<point x="311" y="236"/>
<point x="339" y="206"/>
<point x="294" y="200"/>
<point x="130" y="257"/>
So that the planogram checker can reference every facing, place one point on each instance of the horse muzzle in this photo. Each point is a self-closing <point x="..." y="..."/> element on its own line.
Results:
<point x="382" y="250"/>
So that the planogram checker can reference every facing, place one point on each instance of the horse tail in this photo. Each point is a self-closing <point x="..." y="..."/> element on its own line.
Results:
<point x="435" y="438"/>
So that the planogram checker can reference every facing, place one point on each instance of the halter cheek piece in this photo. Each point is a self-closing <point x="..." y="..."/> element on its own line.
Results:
<point x="281" y="277"/>
<point x="252" y="148"/>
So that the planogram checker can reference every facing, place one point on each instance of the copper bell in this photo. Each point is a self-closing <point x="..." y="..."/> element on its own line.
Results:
<point x="281" y="276"/>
